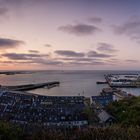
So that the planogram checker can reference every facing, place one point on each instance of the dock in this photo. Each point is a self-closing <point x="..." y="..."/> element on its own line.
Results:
<point x="128" y="81"/>
<point x="31" y="86"/>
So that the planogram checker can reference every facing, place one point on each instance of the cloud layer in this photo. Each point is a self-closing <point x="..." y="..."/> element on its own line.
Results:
<point x="33" y="51"/>
<point x="106" y="48"/>
<point x="95" y="20"/>
<point x="3" y="11"/>
<point x="48" y="45"/>
<point x="20" y="56"/>
<point x="69" y="53"/>
<point x="80" y="29"/>
<point x="98" y="55"/>
<point x="130" y="28"/>
<point x="6" y="43"/>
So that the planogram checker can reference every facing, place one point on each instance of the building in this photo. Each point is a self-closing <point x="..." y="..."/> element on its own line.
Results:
<point x="103" y="100"/>
<point x="105" y="118"/>
<point x="48" y="111"/>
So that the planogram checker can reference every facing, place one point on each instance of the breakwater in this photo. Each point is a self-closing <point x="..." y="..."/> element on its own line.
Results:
<point x="32" y="86"/>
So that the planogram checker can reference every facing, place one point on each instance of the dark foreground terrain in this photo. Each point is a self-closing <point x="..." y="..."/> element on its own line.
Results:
<point x="117" y="132"/>
<point x="126" y="112"/>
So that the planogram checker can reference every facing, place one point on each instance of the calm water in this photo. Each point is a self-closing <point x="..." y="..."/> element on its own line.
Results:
<point x="71" y="82"/>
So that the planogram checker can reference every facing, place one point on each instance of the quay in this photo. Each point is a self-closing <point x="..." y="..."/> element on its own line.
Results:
<point x="123" y="81"/>
<point x="31" y="86"/>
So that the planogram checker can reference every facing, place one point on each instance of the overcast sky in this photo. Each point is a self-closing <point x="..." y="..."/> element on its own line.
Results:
<point x="70" y="34"/>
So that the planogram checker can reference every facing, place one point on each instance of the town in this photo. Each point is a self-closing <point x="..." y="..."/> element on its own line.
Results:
<point x="25" y="109"/>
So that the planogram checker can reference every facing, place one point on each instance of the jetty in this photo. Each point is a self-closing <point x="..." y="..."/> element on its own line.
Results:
<point x="31" y="86"/>
<point x="123" y="81"/>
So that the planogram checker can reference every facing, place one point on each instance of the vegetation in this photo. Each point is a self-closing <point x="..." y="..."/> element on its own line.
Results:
<point x="126" y="111"/>
<point x="117" y="132"/>
<point x="91" y="115"/>
<point x="9" y="132"/>
<point x="109" y="133"/>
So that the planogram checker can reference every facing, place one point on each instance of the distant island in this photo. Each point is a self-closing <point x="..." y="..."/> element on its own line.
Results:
<point x="16" y="72"/>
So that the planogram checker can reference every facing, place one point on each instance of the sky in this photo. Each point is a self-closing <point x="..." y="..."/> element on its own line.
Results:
<point x="69" y="34"/>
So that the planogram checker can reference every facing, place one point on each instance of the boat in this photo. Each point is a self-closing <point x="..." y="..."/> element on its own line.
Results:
<point x="101" y="82"/>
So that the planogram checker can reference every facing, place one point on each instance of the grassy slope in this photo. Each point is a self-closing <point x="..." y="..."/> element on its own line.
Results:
<point x="127" y="111"/>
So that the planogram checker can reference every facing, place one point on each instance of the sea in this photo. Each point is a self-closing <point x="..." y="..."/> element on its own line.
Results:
<point x="72" y="82"/>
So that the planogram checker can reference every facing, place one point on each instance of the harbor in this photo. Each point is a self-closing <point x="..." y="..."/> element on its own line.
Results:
<point x="32" y="86"/>
<point x="59" y="111"/>
<point x="55" y="111"/>
<point x="123" y="80"/>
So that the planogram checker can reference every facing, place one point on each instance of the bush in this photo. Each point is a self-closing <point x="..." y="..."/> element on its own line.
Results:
<point x="126" y="111"/>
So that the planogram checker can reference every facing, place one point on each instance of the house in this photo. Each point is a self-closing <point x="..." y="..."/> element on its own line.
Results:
<point x="105" y="118"/>
<point x="103" y="100"/>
